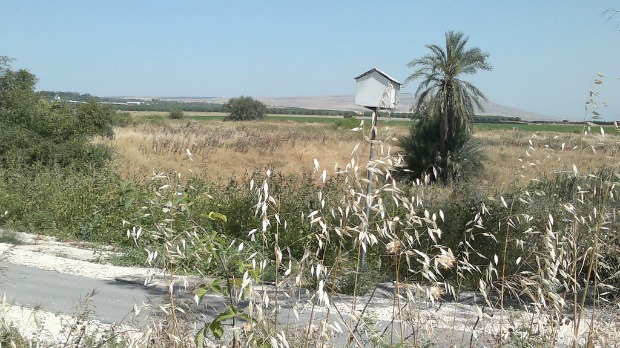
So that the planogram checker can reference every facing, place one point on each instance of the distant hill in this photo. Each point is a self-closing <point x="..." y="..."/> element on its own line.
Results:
<point x="346" y="102"/>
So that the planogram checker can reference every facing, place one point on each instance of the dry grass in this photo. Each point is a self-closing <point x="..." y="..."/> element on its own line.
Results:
<point x="517" y="157"/>
<point x="221" y="150"/>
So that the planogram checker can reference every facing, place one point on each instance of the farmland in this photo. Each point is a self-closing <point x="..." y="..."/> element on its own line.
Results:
<point x="290" y="143"/>
<point x="548" y="127"/>
<point x="557" y="127"/>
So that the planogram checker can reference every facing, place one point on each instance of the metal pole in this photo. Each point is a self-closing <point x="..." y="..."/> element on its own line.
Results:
<point x="373" y="135"/>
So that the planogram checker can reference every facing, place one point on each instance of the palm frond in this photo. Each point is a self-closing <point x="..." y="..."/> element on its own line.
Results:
<point x="443" y="94"/>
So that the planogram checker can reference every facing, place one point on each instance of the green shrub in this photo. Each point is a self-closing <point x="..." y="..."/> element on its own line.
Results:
<point x="176" y="114"/>
<point x="35" y="131"/>
<point x="69" y="204"/>
<point x="153" y="119"/>
<point x="236" y="201"/>
<point x="420" y="151"/>
<point x="245" y="109"/>
<point x="123" y="119"/>
<point x="10" y="237"/>
<point x="347" y="123"/>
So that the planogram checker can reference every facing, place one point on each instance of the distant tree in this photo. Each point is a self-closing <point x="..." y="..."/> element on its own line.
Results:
<point x="36" y="131"/>
<point x="67" y="95"/>
<point x="445" y="99"/>
<point x="176" y="114"/>
<point x="244" y="109"/>
<point x="5" y="63"/>
<point x="17" y="97"/>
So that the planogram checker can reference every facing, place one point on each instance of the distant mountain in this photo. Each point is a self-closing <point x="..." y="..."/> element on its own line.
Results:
<point x="346" y="102"/>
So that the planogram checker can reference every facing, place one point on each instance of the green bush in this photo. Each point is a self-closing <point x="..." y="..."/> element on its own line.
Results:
<point x="245" y="109"/>
<point x="347" y="123"/>
<point x="157" y="120"/>
<point x="63" y="202"/>
<point x="422" y="159"/>
<point x="123" y="119"/>
<point x="35" y="131"/>
<point x="236" y="201"/>
<point x="176" y="114"/>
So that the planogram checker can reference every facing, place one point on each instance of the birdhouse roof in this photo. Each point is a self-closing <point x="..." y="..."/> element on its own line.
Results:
<point x="379" y="72"/>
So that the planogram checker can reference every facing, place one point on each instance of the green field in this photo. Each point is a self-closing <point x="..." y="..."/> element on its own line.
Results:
<point x="547" y="127"/>
<point x="529" y="127"/>
<point x="206" y="118"/>
<point x="300" y="119"/>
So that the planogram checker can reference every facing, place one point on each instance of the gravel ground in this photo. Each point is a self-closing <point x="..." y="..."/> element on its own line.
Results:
<point x="449" y="322"/>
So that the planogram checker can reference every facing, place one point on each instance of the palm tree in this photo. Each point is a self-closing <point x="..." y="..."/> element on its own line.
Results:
<point x="443" y="94"/>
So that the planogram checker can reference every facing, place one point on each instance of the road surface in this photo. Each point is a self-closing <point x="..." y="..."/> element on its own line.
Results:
<point x="55" y="292"/>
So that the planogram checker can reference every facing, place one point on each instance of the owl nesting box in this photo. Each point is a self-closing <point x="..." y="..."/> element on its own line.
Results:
<point x="375" y="89"/>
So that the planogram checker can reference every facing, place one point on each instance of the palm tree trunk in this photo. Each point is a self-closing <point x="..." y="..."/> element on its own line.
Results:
<point x="444" y="132"/>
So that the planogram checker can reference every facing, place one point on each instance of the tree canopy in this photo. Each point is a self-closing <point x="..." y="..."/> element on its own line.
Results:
<point x="444" y="97"/>
<point x="244" y="109"/>
<point x="36" y="131"/>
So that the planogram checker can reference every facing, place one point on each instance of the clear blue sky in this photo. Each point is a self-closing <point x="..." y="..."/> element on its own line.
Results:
<point x="544" y="53"/>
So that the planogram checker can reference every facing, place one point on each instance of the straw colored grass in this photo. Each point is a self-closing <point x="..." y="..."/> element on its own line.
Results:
<point x="221" y="150"/>
<point x="517" y="157"/>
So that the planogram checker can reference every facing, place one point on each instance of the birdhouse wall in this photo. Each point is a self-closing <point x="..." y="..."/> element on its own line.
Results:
<point x="371" y="89"/>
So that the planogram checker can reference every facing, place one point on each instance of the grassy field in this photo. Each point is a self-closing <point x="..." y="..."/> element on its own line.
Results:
<point x="289" y="144"/>
<point x="218" y="116"/>
<point x="529" y="127"/>
<point x="283" y="201"/>
<point x="204" y="115"/>
<point x="547" y="127"/>
<point x="221" y="150"/>
<point x="544" y="200"/>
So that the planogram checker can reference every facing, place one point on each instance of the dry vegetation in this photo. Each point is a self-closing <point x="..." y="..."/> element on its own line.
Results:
<point x="221" y="150"/>
<point x="535" y="249"/>
<point x="516" y="157"/>
<point x="452" y="255"/>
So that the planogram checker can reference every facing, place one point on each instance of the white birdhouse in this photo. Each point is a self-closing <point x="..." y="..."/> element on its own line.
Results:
<point x="375" y="89"/>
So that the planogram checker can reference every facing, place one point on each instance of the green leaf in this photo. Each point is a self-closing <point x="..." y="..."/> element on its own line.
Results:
<point x="216" y="286"/>
<point x="200" y="292"/>
<point x="246" y="317"/>
<point x="217" y="216"/>
<point x="216" y="328"/>
<point x="200" y="337"/>
<point x="230" y="313"/>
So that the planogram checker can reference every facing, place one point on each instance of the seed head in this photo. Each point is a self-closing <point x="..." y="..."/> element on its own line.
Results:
<point x="446" y="260"/>
<point x="394" y="247"/>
